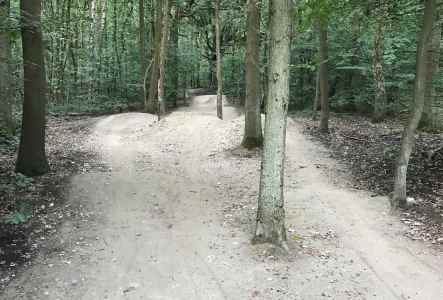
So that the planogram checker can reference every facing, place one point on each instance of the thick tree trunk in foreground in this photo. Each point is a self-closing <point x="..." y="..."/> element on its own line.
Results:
<point x="253" y="129"/>
<point x="151" y="103"/>
<point x="6" y="119"/>
<point x="380" y="100"/>
<point x="408" y="143"/>
<point x="142" y="38"/>
<point x="218" y="52"/>
<point x="162" y="58"/>
<point x="31" y="158"/>
<point x="324" y="86"/>
<point x="270" y="225"/>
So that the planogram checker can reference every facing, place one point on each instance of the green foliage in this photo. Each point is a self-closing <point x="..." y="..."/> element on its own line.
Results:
<point x="23" y="180"/>
<point x="92" y="55"/>
<point x="311" y="11"/>
<point x="23" y="212"/>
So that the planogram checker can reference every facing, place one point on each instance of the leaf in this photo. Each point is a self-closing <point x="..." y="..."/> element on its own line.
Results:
<point x="296" y="237"/>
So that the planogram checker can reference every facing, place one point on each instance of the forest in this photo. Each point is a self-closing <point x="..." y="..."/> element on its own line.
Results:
<point x="215" y="149"/>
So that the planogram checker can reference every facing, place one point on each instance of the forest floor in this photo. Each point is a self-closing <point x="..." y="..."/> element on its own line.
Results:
<point x="369" y="152"/>
<point x="167" y="210"/>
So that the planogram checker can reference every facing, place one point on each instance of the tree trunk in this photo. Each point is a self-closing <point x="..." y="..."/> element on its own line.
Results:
<point x="430" y="119"/>
<point x="270" y="226"/>
<point x="6" y="95"/>
<point x="151" y="103"/>
<point x="97" y="29"/>
<point x="212" y="47"/>
<point x="117" y="66"/>
<point x="212" y="76"/>
<point x="408" y="143"/>
<point x="324" y="86"/>
<point x="253" y="129"/>
<point x="174" y="57"/>
<point x="265" y="73"/>
<point x="317" y="99"/>
<point x="380" y="100"/>
<point x="162" y="59"/>
<point x="218" y="53"/>
<point x="142" y="39"/>
<point x="31" y="158"/>
<point x="353" y="77"/>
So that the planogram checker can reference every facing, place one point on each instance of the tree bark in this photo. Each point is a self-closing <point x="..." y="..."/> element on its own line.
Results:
<point x="408" y="142"/>
<point x="265" y="73"/>
<point x="354" y="76"/>
<point x="162" y="59"/>
<point x="118" y="70"/>
<point x="31" y="158"/>
<point x="317" y="99"/>
<point x="432" y="120"/>
<point x="6" y="95"/>
<point x="151" y="103"/>
<point x="324" y="85"/>
<point x="218" y="53"/>
<point x="253" y="128"/>
<point x="270" y="226"/>
<point x="174" y="57"/>
<point x="380" y="100"/>
<point x="142" y="39"/>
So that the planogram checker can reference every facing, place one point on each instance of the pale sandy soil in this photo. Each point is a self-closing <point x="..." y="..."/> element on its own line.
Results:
<point x="174" y="215"/>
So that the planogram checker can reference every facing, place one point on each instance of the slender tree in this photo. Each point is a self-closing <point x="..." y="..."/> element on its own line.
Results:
<point x="380" y="100"/>
<point x="353" y="77"/>
<point x="142" y="38"/>
<point x="408" y="142"/>
<point x="317" y="99"/>
<point x="31" y="155"/>
<point x="323" y="80"/>
<point x="162" y="58"/>
<point x="431" y="119"/>
<point x="218" y="53"/>
<point x="6" y="119"/>
<point x="270" y="226"/>
<point x="174" y="51"/>
<point x="253" y="128"/>
<point x="151" y="103"/>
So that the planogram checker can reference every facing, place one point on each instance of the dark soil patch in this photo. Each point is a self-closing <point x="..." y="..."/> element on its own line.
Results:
<point x="370" y="151"/>
<point x="68" y="153"/>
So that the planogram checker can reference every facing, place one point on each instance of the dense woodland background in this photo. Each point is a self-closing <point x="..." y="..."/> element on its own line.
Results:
<point x="93" y="55"/>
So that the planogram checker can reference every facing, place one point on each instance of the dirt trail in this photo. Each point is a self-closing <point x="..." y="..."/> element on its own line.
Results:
<point x="173" y="216"/>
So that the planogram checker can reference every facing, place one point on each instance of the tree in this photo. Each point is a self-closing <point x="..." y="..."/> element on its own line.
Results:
<point x="253" y="128"/>
<point x="398" y="198"/>
<point x="151" y="104"/>
<point x="431" y="119"/>
<point x="270" y="226"/>
<point x="218" y="53"/>
<point x="318" y="14"/>
<point x="323" y="76"/>
<point x="317" y="102"/>
<point x="6" y="118"/>
<point x="380" y="100"/>
<point x="31" y="158"/>
<point x="162" y="58"/>
<point x="142" y="38"/>
<point x="174" y="57"/>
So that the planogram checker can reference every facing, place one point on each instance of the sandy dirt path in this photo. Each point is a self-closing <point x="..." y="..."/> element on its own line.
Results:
<point x="173" y="216"/>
